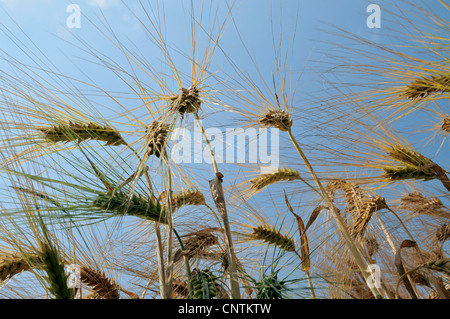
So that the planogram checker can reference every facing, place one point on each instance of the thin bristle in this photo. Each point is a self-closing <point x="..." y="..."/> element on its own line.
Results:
<point x="99" y="283"/>
<point x="82" y="132"/>
<point x="277" y="119"/>
<point x="273" y="236"/>
<point x="265" y="180"/>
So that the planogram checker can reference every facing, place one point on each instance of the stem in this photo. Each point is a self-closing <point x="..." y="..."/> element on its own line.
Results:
<point x="308" y="276"/>
<point x="219" y="199"/>
<point x="160" y="256"/>
<point x="169" y="272"/>
<point x="216" y="170"/>
<point x="362" y="264"/>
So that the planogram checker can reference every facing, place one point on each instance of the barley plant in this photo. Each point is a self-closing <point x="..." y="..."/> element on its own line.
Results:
<point x="96" y="203"/>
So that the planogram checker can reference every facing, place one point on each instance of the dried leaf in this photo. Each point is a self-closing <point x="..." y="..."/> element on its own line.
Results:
<point x="306" y="264"/>
<point x="401" y="269"/>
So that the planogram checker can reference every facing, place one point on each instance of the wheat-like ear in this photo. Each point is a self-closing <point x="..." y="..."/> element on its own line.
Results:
<point x="276" y="118"/>
<point x="365" y="214"/>
<point x="445" y="126"/>
<point x="282" y="174"/>
<point x="156" y="138"/>
<point x="53" y="264"/>
<point x="103" y="286"/>
<point x="196" y="244"/>
<point x="415" y="165"/>
<point x="273" y="236"/>
<point x="371" y="245"/>
<point x="12" y="264"/>
<point x="420" y="204"/>
<point x="119" y="203"/>
<point x="188" y="197"/>
<point x="68" y="132"/>
<point x="424" y="86"/>
<point x="188" y="101"/>
<point x="205" y="284"/>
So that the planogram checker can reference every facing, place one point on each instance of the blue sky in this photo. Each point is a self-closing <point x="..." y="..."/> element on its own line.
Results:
<point x="40" y="29"/>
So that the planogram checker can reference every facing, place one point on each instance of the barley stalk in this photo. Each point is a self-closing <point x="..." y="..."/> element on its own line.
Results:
<point x="120" y="203"/>
<point x="14" y="263"/>
<point x="156" y="136"/>
<point x="446" y="124"/>
<point x="196" y="244"/>
<point x="103" y="286"/>
<point x="424" y="86"/>
<point x="56" y="278"/>
<point x="82" y="132"/>
<point x="282" y="174"/>
<point x="189" y="197"/>
<point x="365" y="214"/>
<point x="276" y="118"/>
<point x="188" y="101"/>
<point x="443" y="232"/>
<point x="273" y="236"/>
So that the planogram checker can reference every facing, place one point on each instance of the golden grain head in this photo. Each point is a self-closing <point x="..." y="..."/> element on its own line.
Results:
<point x="282" y="174"/>
<point x="365" y="214"/>
<point x="156" y="138"/>
<point x="99" y="283"/>
<point x="424" y="86"/>
<point x="13" y="264"/>
<point x="188" y="197"/>
<point x="372" y="245"/>
<point x="446" y="124"/>
<point x="276" y="118"/>
<point x="188" y="101"/>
